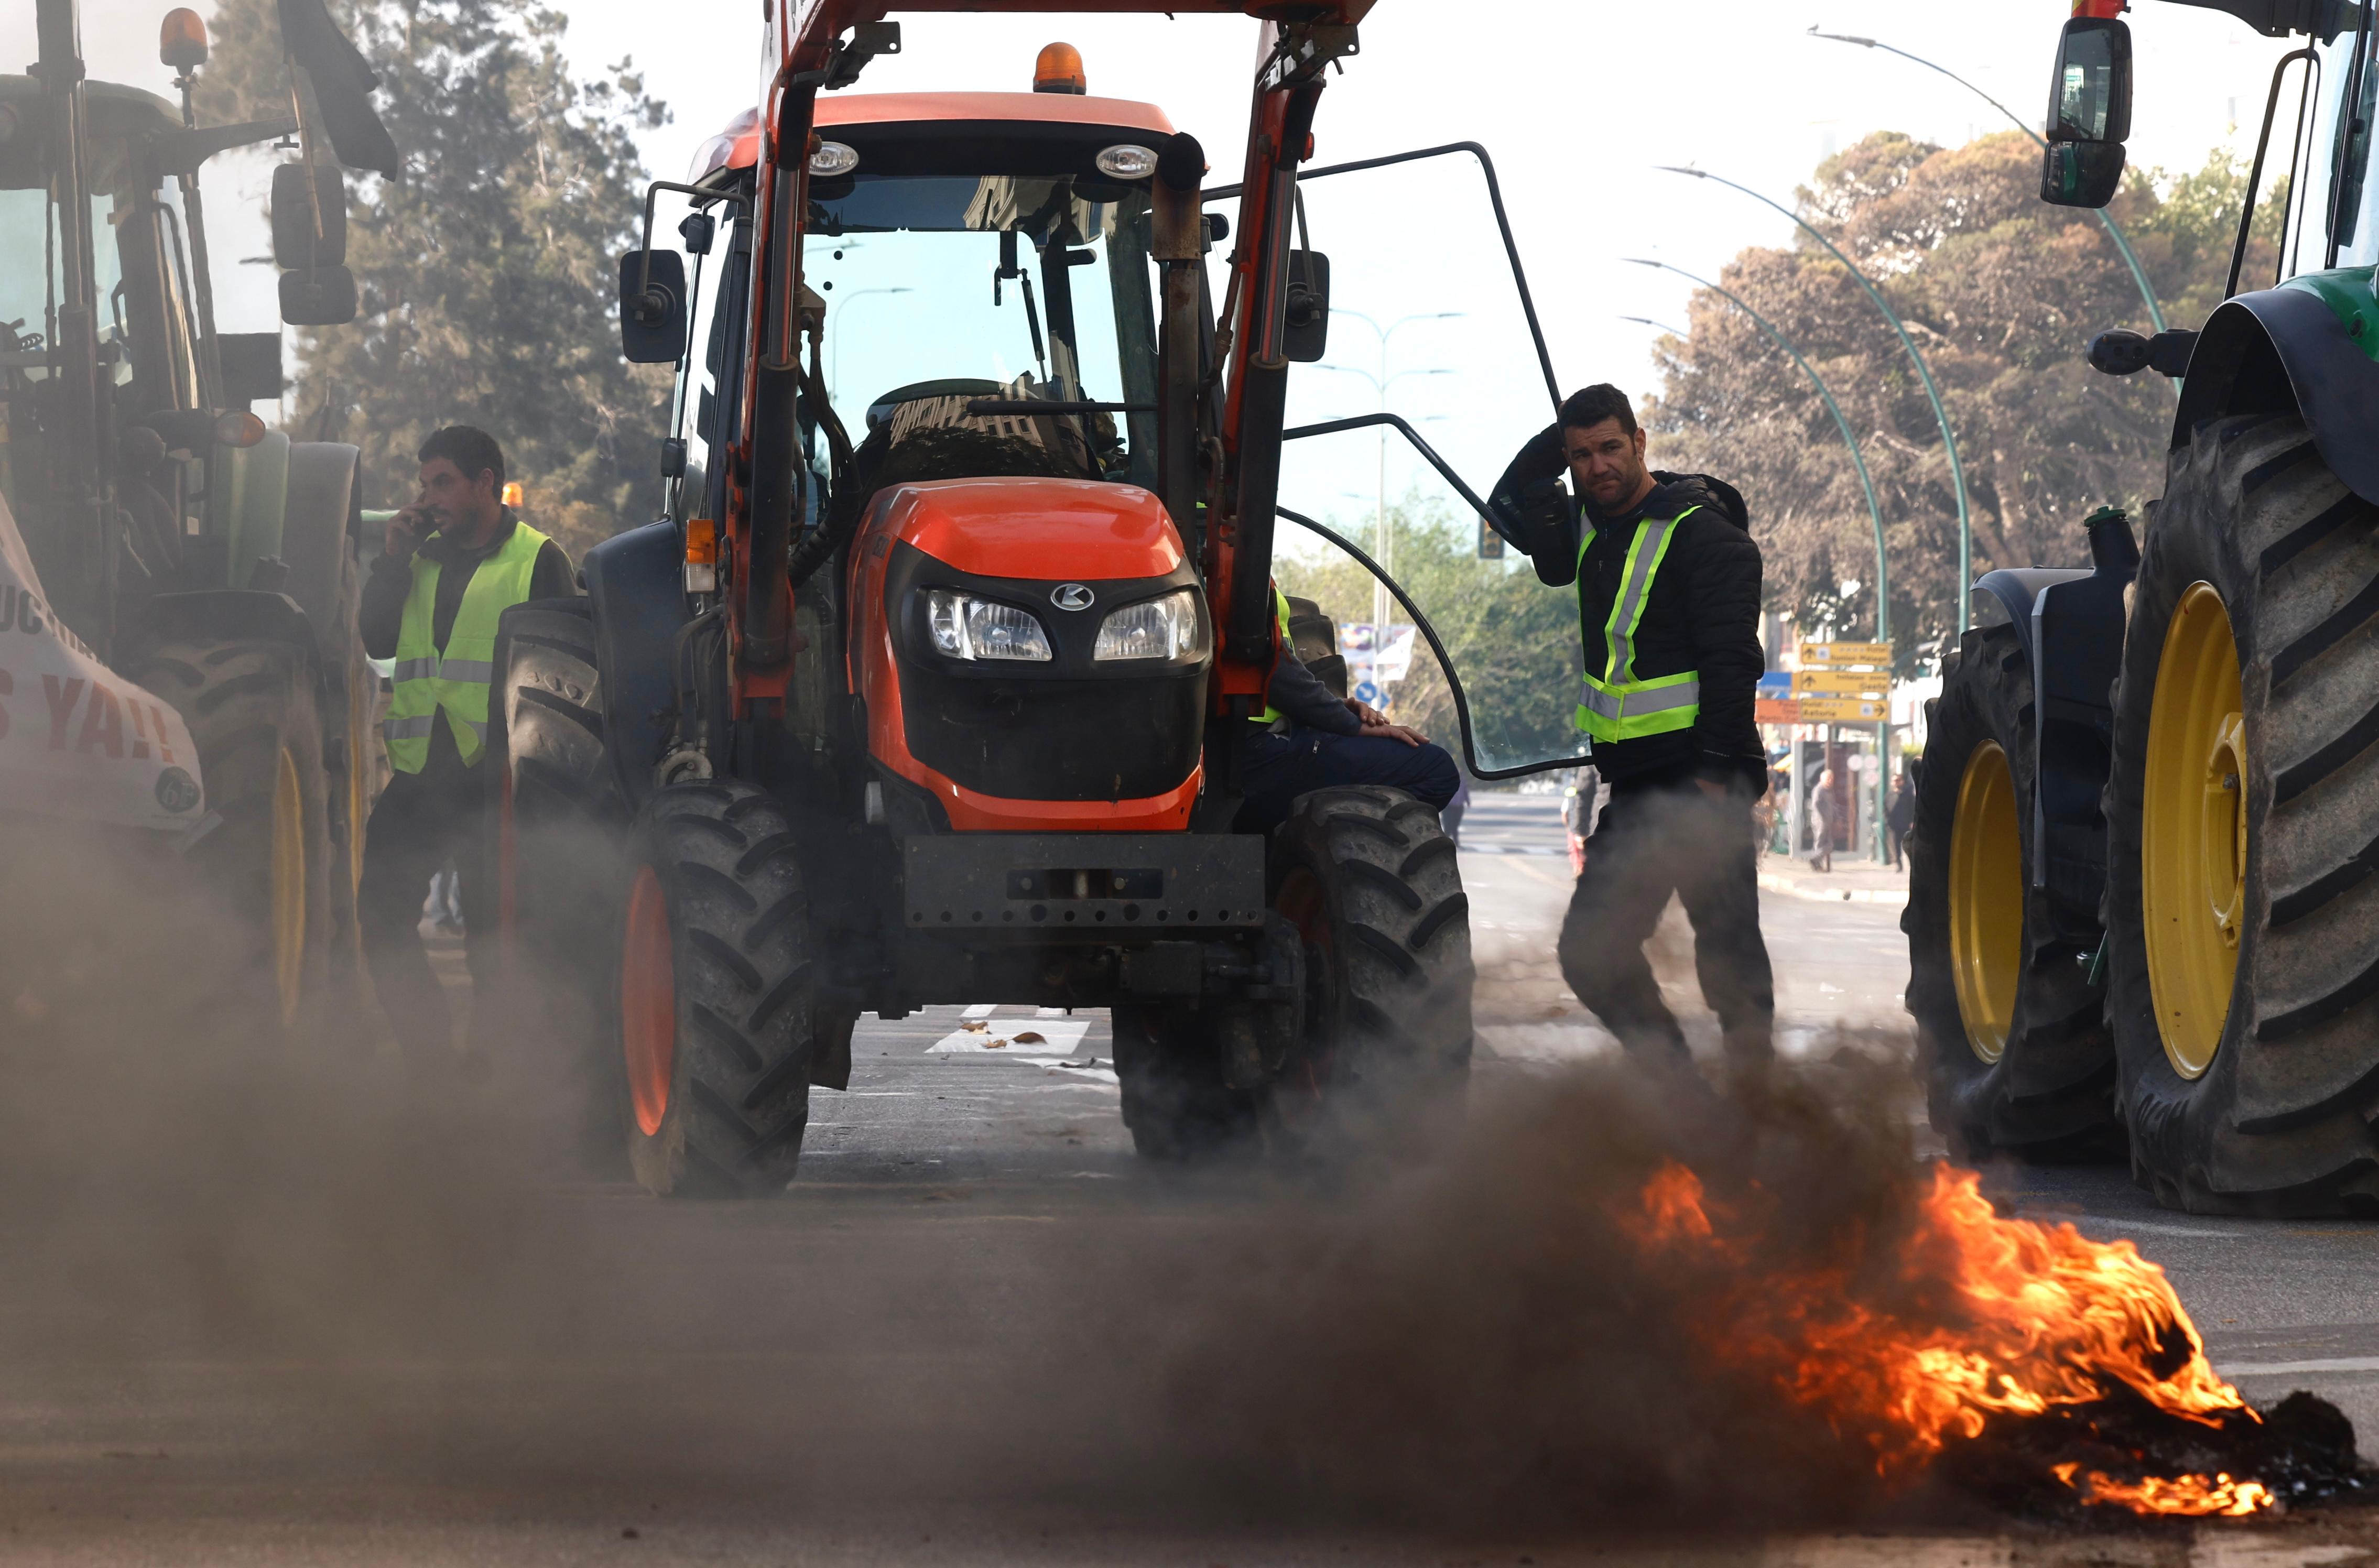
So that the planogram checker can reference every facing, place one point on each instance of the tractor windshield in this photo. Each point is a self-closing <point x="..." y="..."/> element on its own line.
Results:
<point x="2334" y="223"/>
<point x="991" y="286"/>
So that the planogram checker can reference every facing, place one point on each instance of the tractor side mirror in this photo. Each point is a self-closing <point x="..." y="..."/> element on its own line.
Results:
<point x="1305" y="337"/>
<point x="318" y="297"/>
<point x="2089" y="114"/>
<point x="652" y="306"/>
<point x="298" y="192"/>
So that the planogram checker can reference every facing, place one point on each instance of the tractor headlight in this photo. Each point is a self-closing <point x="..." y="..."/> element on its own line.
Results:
<point x="966" y="627"/>
<point x="1167" y="628"/>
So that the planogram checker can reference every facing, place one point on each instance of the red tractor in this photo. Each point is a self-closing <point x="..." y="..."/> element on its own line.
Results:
<point x="932" y="688"/>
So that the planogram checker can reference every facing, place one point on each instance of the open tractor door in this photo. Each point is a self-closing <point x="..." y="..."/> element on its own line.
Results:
<point x="933" y="686"/>
<point x="178" y="586"/>
<point x="2142" y="911"/>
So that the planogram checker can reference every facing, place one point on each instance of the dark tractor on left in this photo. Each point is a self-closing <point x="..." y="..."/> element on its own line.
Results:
<point x="180" y="583"/>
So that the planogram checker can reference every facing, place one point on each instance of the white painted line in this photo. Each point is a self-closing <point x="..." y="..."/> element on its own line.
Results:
<point x="2296" y="1369"/>
<point x="1060" y="1037"/>
<point x="1048" y="1012"/>
<point x="980" y="1010"/>
<point x="2154" y="1227"/>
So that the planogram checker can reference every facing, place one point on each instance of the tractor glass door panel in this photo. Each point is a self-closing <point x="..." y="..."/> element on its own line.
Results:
<point x="1006" y="287"/>
<point x="1427" y="323"/>
<point x="2338" y="173"/>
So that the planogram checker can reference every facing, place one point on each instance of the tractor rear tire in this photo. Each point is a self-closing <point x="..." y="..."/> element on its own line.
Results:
<point x="2252" y="632"/>
<point x="557" y="825"/>
<point x="2012" y="1039"/>
<point x="715" y="992"/>
<point x="253" y="709"/>
<point x="558" y="816"/>
<point x="1370" y="880"/>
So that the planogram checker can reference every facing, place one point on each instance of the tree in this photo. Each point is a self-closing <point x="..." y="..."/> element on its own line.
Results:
<point x="2001" y="293"/>
<point x="487" y="270"/>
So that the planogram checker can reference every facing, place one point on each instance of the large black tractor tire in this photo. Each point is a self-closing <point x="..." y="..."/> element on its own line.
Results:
<point x="557" y="827"/>
<point x="716" y="993"/>
<point x="320" y="524"/>
<point x="1369" y="881"/>
<point x="2253" y="1095"/>
<point x="2010" y="1035"/>
<point x="557" y="817"/>
<point x="252" y="708"/>
<point x="1176" y="1103"/>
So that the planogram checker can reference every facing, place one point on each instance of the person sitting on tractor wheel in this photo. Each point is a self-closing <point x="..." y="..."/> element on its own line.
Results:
<point x="1309" y="739"/>
<point x="454" y="562"/>
<point x="1668" y="593"/>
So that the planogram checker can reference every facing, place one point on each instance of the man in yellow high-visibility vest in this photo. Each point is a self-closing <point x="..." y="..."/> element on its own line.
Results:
<point x="1668" y="582"/>
<point x="453" y="563"/>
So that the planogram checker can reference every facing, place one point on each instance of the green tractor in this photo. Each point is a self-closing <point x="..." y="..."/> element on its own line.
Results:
<point x="179" y="585"/>
<point x="2143" y="913"/>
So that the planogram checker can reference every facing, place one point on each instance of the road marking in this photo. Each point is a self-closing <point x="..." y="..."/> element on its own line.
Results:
<point x="980" y="1010"/>
<point x="1049" y="1012"/>
<point x="1061" y="1037"/>
<point x="2154" y="1227"/>
<point x="2294" y="1369"/>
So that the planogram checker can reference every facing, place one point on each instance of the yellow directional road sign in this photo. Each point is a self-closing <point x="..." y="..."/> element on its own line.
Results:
<point x="1839" y="710"/>
<point x="1837" y="682"/>
<point x="1846" y="652"/>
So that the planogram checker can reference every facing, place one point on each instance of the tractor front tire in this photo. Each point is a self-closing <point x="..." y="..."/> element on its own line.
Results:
<point x="1369" y="879"/>
<point x="715" y="992"/>
<point x="2244" y="831"/>
<point x="251" y="707"/>
<point x="1175" y="1102"/>
<point x="2010" y="1038"/>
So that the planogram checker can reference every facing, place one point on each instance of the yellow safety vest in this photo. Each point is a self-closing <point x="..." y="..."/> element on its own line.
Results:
<point x="1280" y="608"/>
<point x="455" y="679"/>
<point x="1614" y="705"/>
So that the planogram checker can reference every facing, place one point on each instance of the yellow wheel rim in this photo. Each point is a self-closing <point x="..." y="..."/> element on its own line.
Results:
<point x="288" y="885"/>
<point x="1986" y="900"/>
<point x="2194" y="831"/>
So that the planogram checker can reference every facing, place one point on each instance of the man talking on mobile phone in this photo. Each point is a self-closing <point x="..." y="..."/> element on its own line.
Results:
<point x="453" y="563"/>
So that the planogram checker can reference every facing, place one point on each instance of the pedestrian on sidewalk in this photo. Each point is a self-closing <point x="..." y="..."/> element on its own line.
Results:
<point x="1668" y="591"/>
<point x="453" y="563"/>
<point x="1821" y="822"/>
<point x="1902" y="816"/>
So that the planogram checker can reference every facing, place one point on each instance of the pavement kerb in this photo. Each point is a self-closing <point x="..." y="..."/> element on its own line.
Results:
<point x="1826" y="892"/>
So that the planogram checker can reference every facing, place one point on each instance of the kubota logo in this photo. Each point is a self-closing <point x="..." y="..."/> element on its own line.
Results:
<point x="1071" y="596"/>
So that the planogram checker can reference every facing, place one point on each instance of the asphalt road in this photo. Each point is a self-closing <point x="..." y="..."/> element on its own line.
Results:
<point x="972" y="1332"/>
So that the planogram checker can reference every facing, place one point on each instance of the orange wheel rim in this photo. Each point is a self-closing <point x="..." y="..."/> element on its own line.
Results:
<point x="648" y="1002"/>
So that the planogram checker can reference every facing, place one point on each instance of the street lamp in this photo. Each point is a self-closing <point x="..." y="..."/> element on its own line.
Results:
<point x="1874" y="512"/>
<point x="1923" y="373"/>
<point x="834" y="329"/>
<point x="2114" y="231"/>
<point x="1379" y="383"/>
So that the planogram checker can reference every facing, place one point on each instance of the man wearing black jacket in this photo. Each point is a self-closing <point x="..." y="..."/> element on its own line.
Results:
<point x="1668" y="589"/>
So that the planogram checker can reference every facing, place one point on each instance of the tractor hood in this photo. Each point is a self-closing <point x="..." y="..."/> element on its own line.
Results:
<point x="1056" y="529"/>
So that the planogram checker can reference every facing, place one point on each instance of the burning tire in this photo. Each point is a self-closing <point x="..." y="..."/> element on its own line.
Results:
<point x="1369" y="880"/>
<point x="2243" y="819"/>
<point x="252" y="711"/>
<point x="714" y="993"/>
<point x="2013" y="1046"/>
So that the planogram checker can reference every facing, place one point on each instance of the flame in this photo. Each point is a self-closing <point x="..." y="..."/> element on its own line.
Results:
<point x="1971" y="1315"/>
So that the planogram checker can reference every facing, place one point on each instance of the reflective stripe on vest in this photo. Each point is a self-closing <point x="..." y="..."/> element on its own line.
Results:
<point x="1288" y="649"/>
<point x="456" y="682"/>
<point x="1614" y="705"/>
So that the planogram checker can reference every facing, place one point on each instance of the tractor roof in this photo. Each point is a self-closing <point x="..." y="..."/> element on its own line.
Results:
<point x="905" y="114"/>
<point x="119" y="116"/>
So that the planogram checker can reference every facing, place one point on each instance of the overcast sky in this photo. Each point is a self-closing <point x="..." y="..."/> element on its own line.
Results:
<point x="1578" y="100"/>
